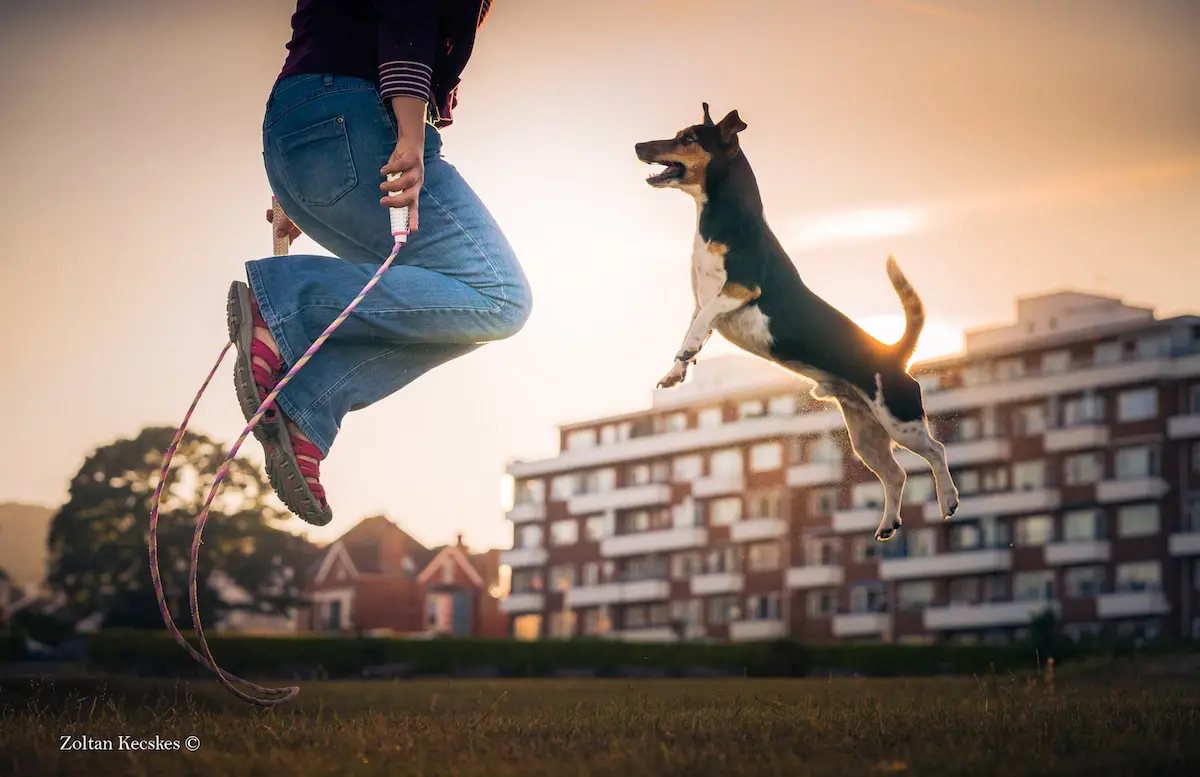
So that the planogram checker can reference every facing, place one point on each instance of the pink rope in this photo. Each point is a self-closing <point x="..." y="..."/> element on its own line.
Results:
<point x="268" y="697"/>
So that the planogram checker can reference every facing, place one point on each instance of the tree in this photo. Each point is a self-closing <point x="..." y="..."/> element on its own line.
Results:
<point x="98" y="539"/>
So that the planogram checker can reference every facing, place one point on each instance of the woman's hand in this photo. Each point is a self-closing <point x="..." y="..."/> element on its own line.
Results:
<point x="285" y="227"/>
<point x="407" y="160"/>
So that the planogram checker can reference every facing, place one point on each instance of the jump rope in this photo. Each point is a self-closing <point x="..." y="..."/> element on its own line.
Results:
<point x="267" y="697"/>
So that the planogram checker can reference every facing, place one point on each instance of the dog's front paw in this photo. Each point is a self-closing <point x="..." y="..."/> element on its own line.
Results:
<point x="675" y="376"/>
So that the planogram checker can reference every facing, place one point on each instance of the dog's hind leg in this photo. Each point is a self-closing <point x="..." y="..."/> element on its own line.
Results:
<point x="902" y="397"/>
<point x="873" y="445"/>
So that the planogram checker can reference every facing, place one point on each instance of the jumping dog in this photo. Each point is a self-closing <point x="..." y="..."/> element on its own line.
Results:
<point x="747" y="288"/>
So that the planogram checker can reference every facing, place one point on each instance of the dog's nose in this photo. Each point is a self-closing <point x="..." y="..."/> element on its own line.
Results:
<point x="639" y="149"/>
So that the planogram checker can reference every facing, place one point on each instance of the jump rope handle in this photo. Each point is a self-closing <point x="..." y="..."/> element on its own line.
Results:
<point x="399" y="218"/>
<point x="281" y="243"/>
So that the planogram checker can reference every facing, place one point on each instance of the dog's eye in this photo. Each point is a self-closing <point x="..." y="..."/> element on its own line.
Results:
<point x="687" y="140"/>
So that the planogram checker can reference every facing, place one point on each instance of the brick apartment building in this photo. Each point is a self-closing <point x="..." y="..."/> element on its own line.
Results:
<point x="733" y="508"/>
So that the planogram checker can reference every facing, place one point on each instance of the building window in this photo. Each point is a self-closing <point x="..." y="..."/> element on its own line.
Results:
<point x="1029" y="420"/>
<point x="597" y="527"/>
<point x="721" y="609"/>
<point x="566" y="486"/>
<point x="766" y="456"/>
<point x="1029" y="475"/>
<point x="1033" y="586"/>
<point x="1056" y="362"/>
<point x="1137" y="405"/>
<point x="677" y="422"/>
<point x="689" y="611"/>
<point x="562" y="577"/>
<point x="921" y="543"/>
<point x="1135" y="461"/>
<point x="599" y="481"/>
<point x="1191" y="518"/>
<point x="822" y="602"/>
<point x="563" y="533"/>
<point x="562" y="624"/>
<point x="964" y="590"/>
<point x="763" y="607"/>
<point x="1155" y="346"/>
<point x="726" y="463"/>
<point x="995" y="587"/>
<point x="1107" y="353"/>
<point x="685" y="565"/>
<point x="822" y="501"/>
<point x="1193" y="402"/>
<point x="591" y="573"/>
<point x="1033" y="531"/>
<point x="964" y="536"/>
<point x="1081" y="582"/>
<point x="636" y="617"/>
<point x="528" y="536"/>
<point x="867" y="495"/>
<point x="782" y="406"/>
<point x="526" y="581"/>
<point x="530" y="492"/>
<point x="1083" y="526"/>
<point x="685" y="469"/>
<point x="1137" y="520"/>
<point x="724" y="511"/>
<point x="864" y="549"/>
<point x="764" y="557"/>
<point x="594" y="622"/>
<point x="868" y="597"/>
<point x="1139" y="576"/>
<point x="527" y="627"/>
<point x="763" y="504"/>
<point x="1010" y="369"/>
<point x="720" y="560"/>
<point x="918" y="490"/>
<point x="995" y="480"/>
<point x="914" y="594"/>
<point x="967" y="482"/>
<point x="448" y="572"/>
<point x="751" y="408"/>
<point x="1083" y="410"/>
<point x="581" y="438"/>
<point x="1082" y="469"/>
<point x="824" y="551"/>
<point x="710" y="417"/>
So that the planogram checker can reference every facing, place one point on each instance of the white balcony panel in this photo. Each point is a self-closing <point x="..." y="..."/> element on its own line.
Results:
<point x="859" y="624"/>
<point x="717" y="485"/>
<point x="1184" y="544"/>
<point x="647" y="495"/>
<point x="969" y="562"/>
<point x="523" y="557"/>
<point x="1183" y="427"/>
<point x="986" y="615"/>
<point x="1131" y="490"/>
<point x="1076" y="438"/>
<point x="661" y="541"/>
<point x="718" y="583"/>
<point x="859" y="519"/>
<point x="618" y="593"/>
<point x="823" y="576"/>
<point x="755" y="529"/>
<point x="1005" y="503"/>
<point x="527" y="512"/>
<point x="814" y="473"/>
<point x="1068" y="553"/>
<point x="1132" y="604"/>
<point x="756" y="631"/>
<point x="526" y="602"/>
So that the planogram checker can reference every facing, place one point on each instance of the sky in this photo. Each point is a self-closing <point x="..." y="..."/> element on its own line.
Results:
<point x="997" y="149"/>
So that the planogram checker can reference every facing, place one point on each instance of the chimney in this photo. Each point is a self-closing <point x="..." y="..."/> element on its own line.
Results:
<point x="459" y="540"/>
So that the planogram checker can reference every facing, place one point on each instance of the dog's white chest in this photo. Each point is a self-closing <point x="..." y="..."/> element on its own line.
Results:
<point x="708" y="271"/>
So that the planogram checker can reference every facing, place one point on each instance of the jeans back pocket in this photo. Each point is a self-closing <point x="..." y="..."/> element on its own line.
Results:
<point x="316" y="163"/>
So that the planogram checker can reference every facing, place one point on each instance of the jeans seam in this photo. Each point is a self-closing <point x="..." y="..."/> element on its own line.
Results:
<point x="325" y="90"/>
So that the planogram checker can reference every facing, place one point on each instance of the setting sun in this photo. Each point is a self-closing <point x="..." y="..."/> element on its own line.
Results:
<point x="939" y="338"/>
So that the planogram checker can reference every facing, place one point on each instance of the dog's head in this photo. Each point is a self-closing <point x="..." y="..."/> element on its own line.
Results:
<point x="696" y="156"/>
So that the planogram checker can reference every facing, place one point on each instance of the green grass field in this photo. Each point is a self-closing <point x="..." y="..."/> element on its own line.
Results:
<point x="1115" y="720"/>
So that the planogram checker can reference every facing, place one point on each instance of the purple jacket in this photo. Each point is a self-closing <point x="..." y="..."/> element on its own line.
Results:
<point x="416" y="48"/>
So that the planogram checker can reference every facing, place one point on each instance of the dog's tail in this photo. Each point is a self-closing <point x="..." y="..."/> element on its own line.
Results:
<point x="914" y="312"/>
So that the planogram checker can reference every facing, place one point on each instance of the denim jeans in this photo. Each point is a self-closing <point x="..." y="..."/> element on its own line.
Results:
<point x="454" y="285"/>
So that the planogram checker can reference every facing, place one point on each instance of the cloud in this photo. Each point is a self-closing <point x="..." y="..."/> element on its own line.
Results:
<point x="852" y="226"/>
<point x="931" y="10"/>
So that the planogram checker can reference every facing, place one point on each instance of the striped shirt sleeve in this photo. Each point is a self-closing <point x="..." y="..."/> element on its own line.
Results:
<point x="407" y="33"/>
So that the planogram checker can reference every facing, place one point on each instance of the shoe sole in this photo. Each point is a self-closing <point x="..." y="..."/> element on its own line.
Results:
<point x="240" y="321"/>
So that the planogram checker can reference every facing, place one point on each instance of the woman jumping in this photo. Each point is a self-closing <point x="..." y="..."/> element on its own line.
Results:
<point x="364" y="92"/>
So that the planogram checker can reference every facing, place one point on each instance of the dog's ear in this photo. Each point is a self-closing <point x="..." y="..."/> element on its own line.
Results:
<point x="730" y="126"/>
<point x="708" y="122"/>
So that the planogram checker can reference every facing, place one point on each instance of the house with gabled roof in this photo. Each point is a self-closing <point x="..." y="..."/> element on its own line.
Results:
<point x="377" y="578"/>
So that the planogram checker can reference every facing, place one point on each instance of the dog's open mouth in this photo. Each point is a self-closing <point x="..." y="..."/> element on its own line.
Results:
<point x="674" y="172"/>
